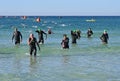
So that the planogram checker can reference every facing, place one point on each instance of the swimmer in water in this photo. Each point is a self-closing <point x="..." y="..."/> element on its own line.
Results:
<point x="32" y="42"/>
<point x="49" y="31"/>
<point x="74" y="36"/>
<point x="89" y="33"/>
<point x="38" y="19"/>
<point x="65" y="42"/>
<point x="104" y="37"/>
<point x="17" y="36"/>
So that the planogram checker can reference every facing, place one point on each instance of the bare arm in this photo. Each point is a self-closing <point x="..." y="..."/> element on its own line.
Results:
<point x="29" y="41"/>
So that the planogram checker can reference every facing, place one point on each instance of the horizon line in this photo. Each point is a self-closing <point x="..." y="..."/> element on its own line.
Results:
<point x="59" y="15"/>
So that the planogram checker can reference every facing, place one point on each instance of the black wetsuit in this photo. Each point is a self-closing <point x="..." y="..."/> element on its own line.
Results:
<point x="65" y="43"/>
<point x="40" y="36"/>
<point x="74" y="37"/>
<point x="89" y="33"/>
<point x="78" y="34"/>
<point x="104" y="38"/>
<point x="17" y="36"/>
<point x="49" y="32"/>
<point x="33" y="46"/>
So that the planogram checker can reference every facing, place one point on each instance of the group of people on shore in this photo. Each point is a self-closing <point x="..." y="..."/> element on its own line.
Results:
<point x="32" y="41"/>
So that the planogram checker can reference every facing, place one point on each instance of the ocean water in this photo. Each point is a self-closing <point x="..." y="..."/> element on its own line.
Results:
<point x="88" y="60"/>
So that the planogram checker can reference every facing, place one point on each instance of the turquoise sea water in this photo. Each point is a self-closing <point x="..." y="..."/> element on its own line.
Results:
<point x="88" y="60"/>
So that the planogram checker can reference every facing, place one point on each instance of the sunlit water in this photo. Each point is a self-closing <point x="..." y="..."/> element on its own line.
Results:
<point x="88" y="60"/>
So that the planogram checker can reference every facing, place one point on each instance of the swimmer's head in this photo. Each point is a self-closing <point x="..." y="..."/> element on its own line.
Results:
<point x="31" y="35"/>
<point x="64" y="35"/>
<point x="89" y="29"/>
<point x="105" y="31"/>
<point x="49" y="29"/>
<point x="74" y="31"/>
<point x="39" y="29"/>
<point x="16" y="29"/>
<point x="78" y="30"/>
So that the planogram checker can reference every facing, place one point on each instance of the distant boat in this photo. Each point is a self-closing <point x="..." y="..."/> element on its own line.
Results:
<point x="90" y="20"/>
<point x="38" y="19"/>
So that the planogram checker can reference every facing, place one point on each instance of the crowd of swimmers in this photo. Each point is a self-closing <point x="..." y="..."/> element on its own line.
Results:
<point x="75" y="34"/>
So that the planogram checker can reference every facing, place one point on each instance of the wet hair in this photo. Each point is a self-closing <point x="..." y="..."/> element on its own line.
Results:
<point x="65" y="35"/>
<point x="31" y="34"/>
<point x="16" y="29"/>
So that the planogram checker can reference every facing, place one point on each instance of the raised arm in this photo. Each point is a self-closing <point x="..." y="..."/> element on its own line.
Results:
<point x="45" y="34"/>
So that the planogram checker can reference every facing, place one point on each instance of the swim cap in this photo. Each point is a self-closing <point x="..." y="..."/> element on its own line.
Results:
<point x="74" y="30"/>
<point x="39" y="29"/>
<point x="105" y="30"/>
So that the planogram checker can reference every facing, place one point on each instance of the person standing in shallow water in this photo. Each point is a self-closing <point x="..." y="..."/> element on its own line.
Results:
<point x="89" y="33"/>
<point x="65" y="42"/>
<point x="104" y="37"/>
<point x="40" y="35"/>
<point x="17" y="36"/>
<point x="32" y="42"/>
<point x="74" y="36"/>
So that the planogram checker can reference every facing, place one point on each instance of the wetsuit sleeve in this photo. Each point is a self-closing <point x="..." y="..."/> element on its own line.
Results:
<point x="13" y="36"/>
<point x="102" y="36"/>
<point x="37" y="31"/>
<point x="91" y="32"/>
<point x="37" y="43"/>
<point x="68" y="40"/>
<point x="45" y="34"/>
<point x="21" y="36"/>
<point x="71" y="32"/>
<point x="107" y="36"/>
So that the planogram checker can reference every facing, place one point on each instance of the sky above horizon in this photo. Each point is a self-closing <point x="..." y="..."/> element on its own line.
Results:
<point x="60" y="7"/>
